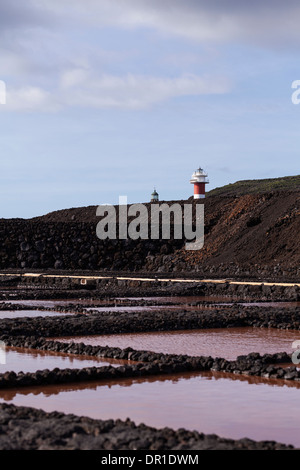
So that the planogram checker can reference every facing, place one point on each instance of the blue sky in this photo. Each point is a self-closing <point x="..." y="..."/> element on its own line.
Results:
<point x="113" y="97"/>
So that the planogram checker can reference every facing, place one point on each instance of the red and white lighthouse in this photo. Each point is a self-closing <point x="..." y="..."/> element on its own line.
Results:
<point x="199" y="180"/>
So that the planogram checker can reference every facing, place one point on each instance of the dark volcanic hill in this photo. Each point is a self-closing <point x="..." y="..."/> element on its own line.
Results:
<point x="250" y="228"/>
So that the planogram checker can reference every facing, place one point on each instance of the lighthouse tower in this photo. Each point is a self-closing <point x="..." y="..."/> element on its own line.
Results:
<point x="154" y="196"/>
<point x="199" y="180"/>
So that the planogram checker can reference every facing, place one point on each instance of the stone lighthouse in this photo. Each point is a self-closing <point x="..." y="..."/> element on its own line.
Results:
<point x="154" y="196"/>
<point x="199" y="180"/>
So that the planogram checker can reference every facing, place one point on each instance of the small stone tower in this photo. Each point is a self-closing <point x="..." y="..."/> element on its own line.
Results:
<point x="154" y="196"/>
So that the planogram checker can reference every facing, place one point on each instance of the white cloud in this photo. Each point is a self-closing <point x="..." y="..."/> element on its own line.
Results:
<point x="135" y="92"/>
<point x="12" y="62"/>
<point x="28" y="98"/>
<point x="73" y="77"/>
<point x="49" y="51"/>
<point x="107" y="91"/>
<point x="268" y="22"/>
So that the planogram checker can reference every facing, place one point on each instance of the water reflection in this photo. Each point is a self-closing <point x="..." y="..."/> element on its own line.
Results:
<point x="225" y="404"/>
<point x="29" y="314"/>
<point x="31" y="360"/>
<point x="49" y="390"/>
<point x="216" y="342"/>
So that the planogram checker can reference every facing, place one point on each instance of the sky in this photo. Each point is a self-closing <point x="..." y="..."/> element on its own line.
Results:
<point x="109" y="98"/>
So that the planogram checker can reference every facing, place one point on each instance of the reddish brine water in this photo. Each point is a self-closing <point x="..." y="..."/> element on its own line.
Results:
<point x="31" y="360"/>
<point x="227" y="405"/>
<point x="144" y="308"/>
<point x="29" y="313"/>
<point x="219" y="342"/>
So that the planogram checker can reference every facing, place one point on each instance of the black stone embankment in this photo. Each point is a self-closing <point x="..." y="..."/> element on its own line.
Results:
<point x="7" y="306"/>
<point x="261" y="292"/>
<point x="56" y="293"/>
<point x="147" y="363"/>
<point x="129" y="322"/>
<point x="69" y="308"/>
<point x="72" y="307"/>
<point x="131" y="354"/>
<point x="59" y="431"/>
<point x="161" y="285"/>
<point x="35" y="244"/>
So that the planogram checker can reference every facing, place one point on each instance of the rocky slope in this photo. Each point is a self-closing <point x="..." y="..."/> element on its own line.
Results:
<point x="245" y="234"/>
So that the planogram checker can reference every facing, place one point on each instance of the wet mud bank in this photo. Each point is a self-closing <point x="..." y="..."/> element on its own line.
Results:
<point x="59" y="431"/>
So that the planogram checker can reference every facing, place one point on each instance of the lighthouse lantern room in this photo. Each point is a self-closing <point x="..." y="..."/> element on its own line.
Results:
<point x="199" y="180"/>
